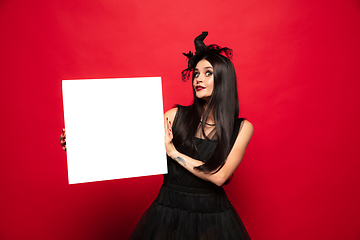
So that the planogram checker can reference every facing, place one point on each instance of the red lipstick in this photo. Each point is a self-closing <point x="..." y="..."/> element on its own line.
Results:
<point x="199" y="88"/>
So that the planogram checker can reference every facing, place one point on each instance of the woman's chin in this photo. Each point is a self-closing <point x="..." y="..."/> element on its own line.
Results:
<point x="203" y="97"/>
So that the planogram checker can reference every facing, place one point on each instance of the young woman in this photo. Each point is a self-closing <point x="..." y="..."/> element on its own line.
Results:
<point x="205" y="143"/>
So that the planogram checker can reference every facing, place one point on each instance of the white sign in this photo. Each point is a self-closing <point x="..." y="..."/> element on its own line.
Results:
<point x="114" y="128"/>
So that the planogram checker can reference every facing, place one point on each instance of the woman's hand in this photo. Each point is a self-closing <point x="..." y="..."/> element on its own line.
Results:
<point x="63" y="139"/>
<point x="169" y="146"/>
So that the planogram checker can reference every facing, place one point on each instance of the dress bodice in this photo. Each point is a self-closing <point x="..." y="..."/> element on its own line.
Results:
<point x="178" y="175"/>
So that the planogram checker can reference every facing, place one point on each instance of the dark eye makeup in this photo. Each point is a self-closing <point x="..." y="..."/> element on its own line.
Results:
<point x="207" y="74"/>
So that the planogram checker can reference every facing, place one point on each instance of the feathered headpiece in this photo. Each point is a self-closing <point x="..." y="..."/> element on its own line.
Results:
<point x="201" y="51"/>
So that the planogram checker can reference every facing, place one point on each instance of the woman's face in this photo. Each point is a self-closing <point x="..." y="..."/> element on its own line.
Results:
<point x="203" y="80"/>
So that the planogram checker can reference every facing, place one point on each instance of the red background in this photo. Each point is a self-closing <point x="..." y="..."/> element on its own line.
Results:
<point x="299" y="80"/>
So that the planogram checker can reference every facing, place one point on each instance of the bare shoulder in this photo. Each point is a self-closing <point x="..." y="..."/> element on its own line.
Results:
<point x="170" y="114"/>
<point x="245" y="133"/>
<point x="246" y="126"/>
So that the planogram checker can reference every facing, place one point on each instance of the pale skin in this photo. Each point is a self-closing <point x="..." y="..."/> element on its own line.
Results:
<point x="203" y="85"/>
<point x="205" y="79"/>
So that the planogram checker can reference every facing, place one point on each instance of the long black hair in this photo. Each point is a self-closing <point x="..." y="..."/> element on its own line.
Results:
<point x="224" y="106"/>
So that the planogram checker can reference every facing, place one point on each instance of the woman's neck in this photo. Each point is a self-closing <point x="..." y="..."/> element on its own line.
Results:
<point x="210" y="118"/>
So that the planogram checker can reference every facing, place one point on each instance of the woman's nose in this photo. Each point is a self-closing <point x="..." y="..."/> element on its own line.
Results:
<point x="200" y="78"/>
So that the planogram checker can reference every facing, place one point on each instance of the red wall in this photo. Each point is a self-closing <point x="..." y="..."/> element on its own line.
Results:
<point x="299" y="81"/>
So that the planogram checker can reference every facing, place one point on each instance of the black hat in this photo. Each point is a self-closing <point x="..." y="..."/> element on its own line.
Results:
<point x="202" y="51"/>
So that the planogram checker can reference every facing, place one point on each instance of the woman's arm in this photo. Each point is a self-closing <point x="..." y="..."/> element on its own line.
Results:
<point x="232" y="162"/>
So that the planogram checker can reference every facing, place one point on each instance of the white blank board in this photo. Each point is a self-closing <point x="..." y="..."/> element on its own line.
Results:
<point x="114" y="128"/>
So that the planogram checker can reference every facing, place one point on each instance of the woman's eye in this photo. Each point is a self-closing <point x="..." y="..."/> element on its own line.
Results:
<point x="208" y="73"/>
<point x="196" y="74"/>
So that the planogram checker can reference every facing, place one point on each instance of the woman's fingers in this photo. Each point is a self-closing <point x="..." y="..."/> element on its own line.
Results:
<point x="63" y="135"/>
<point x="168" y="132"/>
<point x="63" y="139"/>
<point x="166" y="125"/>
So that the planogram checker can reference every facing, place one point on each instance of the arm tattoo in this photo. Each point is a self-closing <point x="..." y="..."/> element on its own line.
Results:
<point x="180" y="159"/>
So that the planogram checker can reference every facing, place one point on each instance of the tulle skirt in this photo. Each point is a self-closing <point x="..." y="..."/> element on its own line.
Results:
<point x="182" y="213"/>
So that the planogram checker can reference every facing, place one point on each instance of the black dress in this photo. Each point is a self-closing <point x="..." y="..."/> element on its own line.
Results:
<point x="190" y="208"/>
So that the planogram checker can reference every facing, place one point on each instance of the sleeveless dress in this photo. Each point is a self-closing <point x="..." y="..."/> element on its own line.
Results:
<point x="188" y="207"/>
